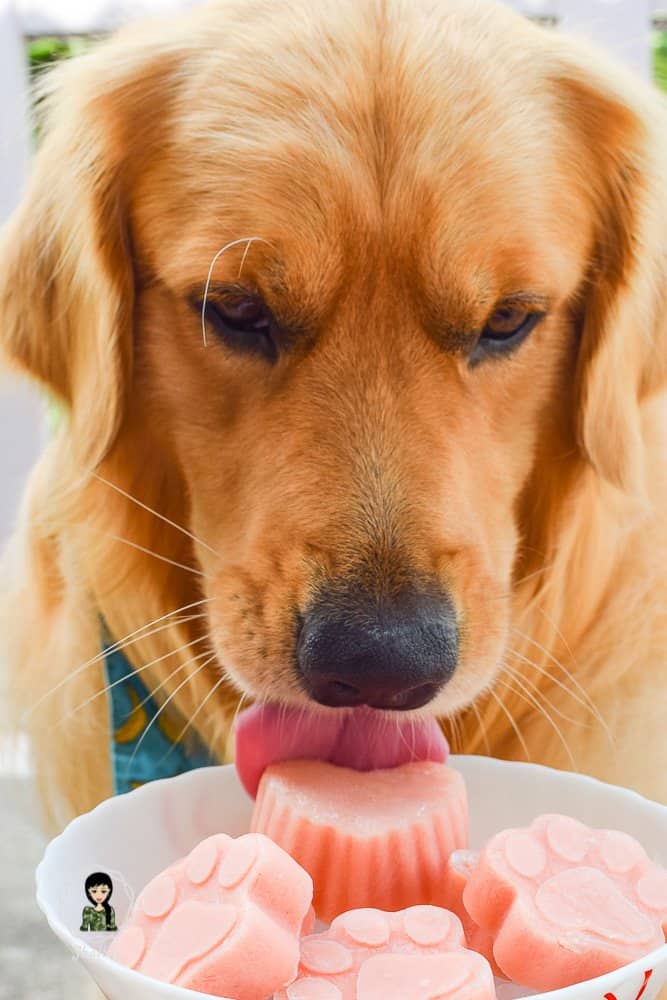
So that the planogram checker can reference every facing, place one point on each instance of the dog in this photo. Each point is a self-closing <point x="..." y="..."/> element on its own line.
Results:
<point x="354" y="316"/>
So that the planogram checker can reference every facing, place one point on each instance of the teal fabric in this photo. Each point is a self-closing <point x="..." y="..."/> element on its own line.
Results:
<point x="143" y="747"/>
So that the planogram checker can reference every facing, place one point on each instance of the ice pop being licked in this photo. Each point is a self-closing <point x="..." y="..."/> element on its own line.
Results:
<point x="416" y="954"/>
<point x="565" y="903"/>
<point x="368" y="839"/>
<point x="358" y="738"/>
<point x="225" y="920"/>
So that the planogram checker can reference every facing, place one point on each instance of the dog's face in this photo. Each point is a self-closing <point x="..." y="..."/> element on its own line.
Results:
<point x="363" y="253"/>
<point x="385" y="335"/>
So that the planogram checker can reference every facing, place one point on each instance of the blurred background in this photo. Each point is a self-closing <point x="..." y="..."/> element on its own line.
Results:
<point x="34" y="34"/>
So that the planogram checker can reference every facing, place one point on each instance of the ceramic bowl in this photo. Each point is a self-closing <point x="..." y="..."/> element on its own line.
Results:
<point x="135" y="836"/>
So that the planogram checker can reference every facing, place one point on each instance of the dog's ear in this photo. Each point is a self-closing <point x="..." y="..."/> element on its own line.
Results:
<point x="66" y="271"/>
<point x="618" y="160"/>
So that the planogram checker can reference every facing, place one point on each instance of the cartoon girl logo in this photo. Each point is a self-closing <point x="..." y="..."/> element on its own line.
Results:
<point x="100" y="916"/>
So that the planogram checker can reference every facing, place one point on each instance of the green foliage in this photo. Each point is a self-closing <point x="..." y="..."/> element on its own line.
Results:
<point x="43" y="52"/>
<point x="660" y="58"/>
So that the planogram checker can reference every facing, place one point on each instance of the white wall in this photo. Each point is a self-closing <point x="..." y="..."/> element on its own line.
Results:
<point x="20" y="408"/>
<point x="20" y="439"/>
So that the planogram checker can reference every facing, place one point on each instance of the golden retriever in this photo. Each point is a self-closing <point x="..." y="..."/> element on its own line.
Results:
<point x="356" y="314"/>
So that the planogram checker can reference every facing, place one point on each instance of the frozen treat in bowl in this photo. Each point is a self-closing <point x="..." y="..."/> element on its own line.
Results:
<point x="136" y="837"/>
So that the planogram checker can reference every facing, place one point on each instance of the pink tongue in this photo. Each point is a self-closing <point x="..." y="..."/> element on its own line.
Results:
<point x="360" y="738"/>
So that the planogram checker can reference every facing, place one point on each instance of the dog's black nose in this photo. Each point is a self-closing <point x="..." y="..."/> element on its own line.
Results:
<point x="392" y="654"/>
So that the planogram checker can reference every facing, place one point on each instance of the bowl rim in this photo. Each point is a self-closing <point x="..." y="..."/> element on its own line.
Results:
<point x="81" y="950"/>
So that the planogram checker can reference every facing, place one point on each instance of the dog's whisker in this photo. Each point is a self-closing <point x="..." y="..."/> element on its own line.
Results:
<point x="237" y="711"/>
<point x="509" y="594"/>
<point x="554" y="680"/>
<point x="522" y="691"/>
<point x="157" y="555"/>
<point x="540" y="553"/>
<point x="412" y="734"/>
<point x="454" y="735"/>
<point x="568" y="673"/>
<point x="144" y="632"/>
<point x="239" y="706"/>
<point x="401" y="735"/>
<point x="248" y="240"/>
<point x="530" y="576"/>
<point x="480" y="720"/>
<point x="512" y="721"/>
<point x="158" y="687"/>
<point x="251" y="240"/>
<point x="196" y="712"/>
<point x="187" y="726"/>
<point x="163" y="706"/>
<point x="539" y="693"/>
<point x="140" y="633"/>
<point x="460" y="735"/>
<point x="137" y="670"/>
<point x="147" y="631"/>
<point x="582" y="696"/>
<point x="429" y="741"/>
<point x="282" y="714"/>
<point x="177" y="670"/>
<point x="151" y="510"/>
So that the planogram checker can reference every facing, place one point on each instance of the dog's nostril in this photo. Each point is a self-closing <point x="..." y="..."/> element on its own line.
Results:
<point x="335" y="694"/>
<point x="344" y="690"/>
<point x="410" y="699"/>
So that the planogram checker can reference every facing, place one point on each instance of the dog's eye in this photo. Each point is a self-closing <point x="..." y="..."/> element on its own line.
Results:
<point x="506" y="322"/>
<point x="243" y="321"/>
<point x="505" y="329"/>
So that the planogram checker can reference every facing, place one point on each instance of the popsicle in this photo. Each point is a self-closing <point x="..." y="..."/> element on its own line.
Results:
<point x="416" y="954"/>
<point x="368" y="839"/>
<point x="225" y="920"/>
<point x="564" y="902"/>
<point x="460" y="866"/>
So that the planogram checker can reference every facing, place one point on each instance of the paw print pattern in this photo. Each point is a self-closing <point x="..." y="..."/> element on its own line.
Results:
<point x="565" y="903"/>
<point x="413" y="954"/>
<point x="225" y="920"/>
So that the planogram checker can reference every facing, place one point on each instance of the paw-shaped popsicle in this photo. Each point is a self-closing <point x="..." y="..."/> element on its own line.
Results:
<point x="565" y="903"/>
<point x="413" y="954"/>
<point x="225" y="920"/>
<point x="460" y="866"/>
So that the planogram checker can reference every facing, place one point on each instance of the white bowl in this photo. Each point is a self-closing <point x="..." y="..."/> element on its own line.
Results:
<point x="134" y="836"/>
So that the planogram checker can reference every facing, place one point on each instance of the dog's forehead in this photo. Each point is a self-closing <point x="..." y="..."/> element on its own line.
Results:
<point x="407" y="147"/>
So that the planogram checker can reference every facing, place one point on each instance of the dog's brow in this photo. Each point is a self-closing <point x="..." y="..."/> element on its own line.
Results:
<point x="458" y="333"/>
<point x="537" y="300"/>
<point x="224" y="288"/>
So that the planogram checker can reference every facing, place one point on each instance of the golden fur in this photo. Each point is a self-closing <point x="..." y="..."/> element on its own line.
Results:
<point x="386" y="171"/>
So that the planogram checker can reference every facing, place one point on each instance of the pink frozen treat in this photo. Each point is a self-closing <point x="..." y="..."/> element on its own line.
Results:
<point x="225" y="920"/>
<point x="416" y="954"/>
<point x="565" y="903"/>
<point x="376" y="838"/>
<point x="457" y="874"/>
<point x="358" y="738"/>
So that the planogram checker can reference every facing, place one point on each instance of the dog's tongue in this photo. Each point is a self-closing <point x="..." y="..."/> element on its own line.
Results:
<point x="361" y="738"/>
